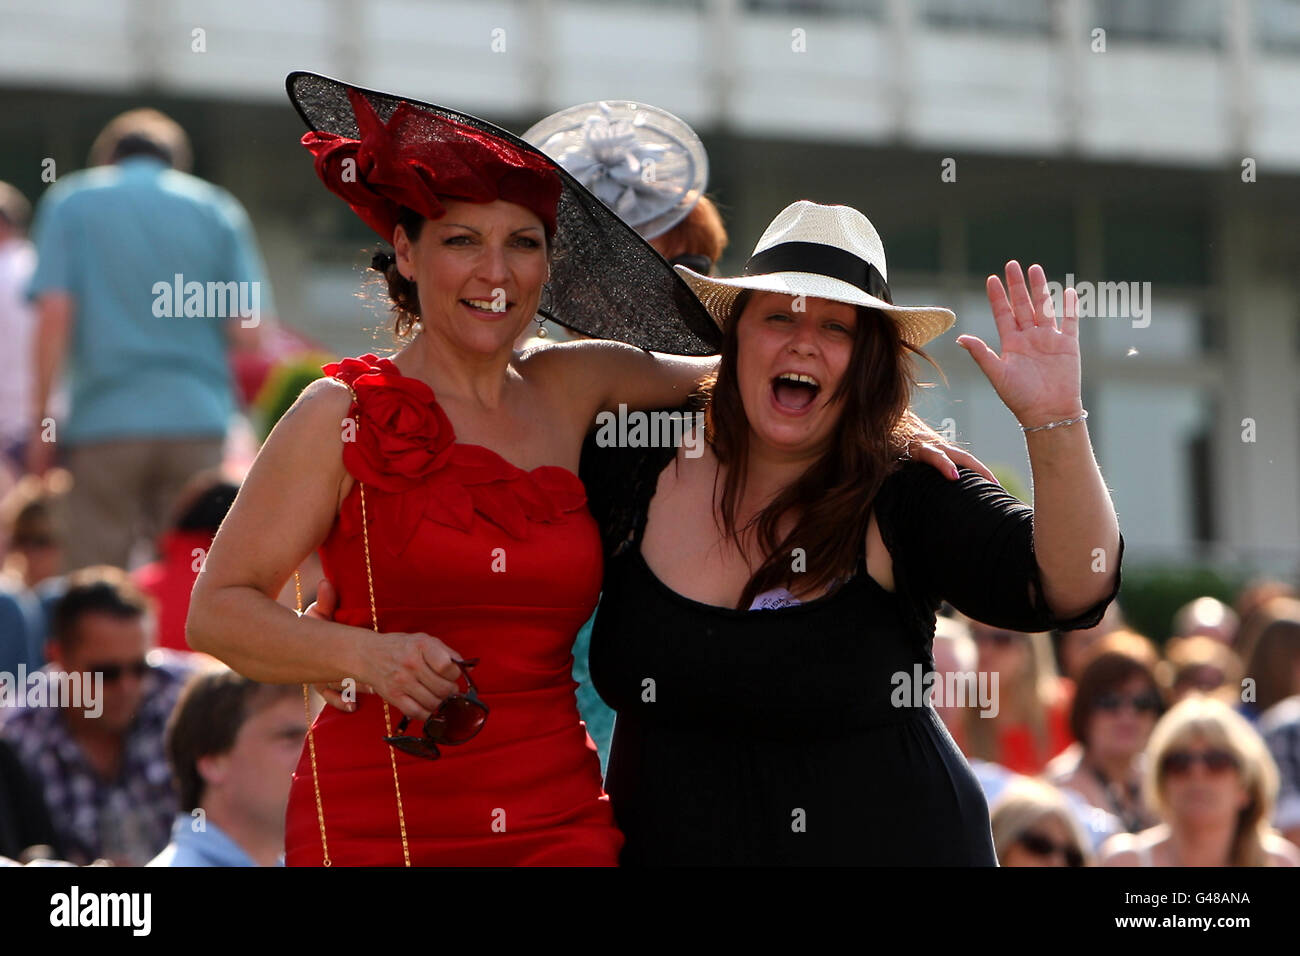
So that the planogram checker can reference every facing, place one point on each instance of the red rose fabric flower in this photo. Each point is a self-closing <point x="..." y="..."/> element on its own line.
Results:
<point x="403" y="448"/>
<point x="398" y="436"/>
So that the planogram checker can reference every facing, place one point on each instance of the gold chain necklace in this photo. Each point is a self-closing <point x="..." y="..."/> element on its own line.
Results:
<point x="388" y="728"/>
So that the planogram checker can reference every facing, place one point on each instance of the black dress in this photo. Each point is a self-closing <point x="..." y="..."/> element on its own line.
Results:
<point x="769" y="737"/>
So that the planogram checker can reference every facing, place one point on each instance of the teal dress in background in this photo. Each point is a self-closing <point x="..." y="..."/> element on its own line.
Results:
<point x="594" y="711"/>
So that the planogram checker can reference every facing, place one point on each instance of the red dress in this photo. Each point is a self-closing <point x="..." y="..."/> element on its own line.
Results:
<point x="500" y="564"/>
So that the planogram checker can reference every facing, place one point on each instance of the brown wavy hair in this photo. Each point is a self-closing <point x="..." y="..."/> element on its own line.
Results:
<point x="403" y="297"/>
<point x="831" y="500"/>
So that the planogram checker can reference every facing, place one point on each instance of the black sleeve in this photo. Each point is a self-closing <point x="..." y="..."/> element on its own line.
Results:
<point x="24" y="819"/>
<point x="620" y="483"/>
<point x="970" y="543"/>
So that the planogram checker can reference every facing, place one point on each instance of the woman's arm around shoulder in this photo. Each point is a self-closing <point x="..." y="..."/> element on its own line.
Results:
<point x="595" y="375"/>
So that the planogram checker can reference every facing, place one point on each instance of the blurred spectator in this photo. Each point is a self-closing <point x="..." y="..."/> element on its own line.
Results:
<point x="1280" y="727"/>
<point x="1073" y="647"/>
<point x="1260" y="615"/>
<point x="696" y="242"/>
<point x="146" y="276"/>
<point x="1209" y="617"/>
<point x="1031" y="725"/>
<point x="955" y="653"/>
<point x="100" y="762"/>
<point x="1274" y="663"/>
<point x="33" y="532"/>
<point x="24" y="819"/>
<point x="1214" y="785"/>
<point x="1199" y="664"/>
<point x="1034" y="826"/>
<point x="17" y="263"/>
<point x="233" y="744"/>
<point x="33" y="535"/>
<point x="1116" y="705"/>
<point x="1256" y="593"/>
<point x="200" y="509"/>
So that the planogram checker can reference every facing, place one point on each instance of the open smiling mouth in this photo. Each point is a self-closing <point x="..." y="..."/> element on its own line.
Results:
<point x="488" y="306"/>
<point x="795" y="392"/>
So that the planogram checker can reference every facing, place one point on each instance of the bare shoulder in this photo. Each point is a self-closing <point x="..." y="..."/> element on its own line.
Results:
<point x="324" y="401"/>
<point x="580" y="375"/>
<point x="1123" y="849"/>
<point x="560" y="356"/>
<point x="1280" y="851"/>
<point x="308" y="437"/>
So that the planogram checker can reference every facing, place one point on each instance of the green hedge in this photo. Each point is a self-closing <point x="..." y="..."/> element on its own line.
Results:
<point x="1151" y="594"/>
<point x="282" y="387"/>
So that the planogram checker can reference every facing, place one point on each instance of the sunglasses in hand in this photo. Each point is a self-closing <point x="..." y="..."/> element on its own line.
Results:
<point x="458" y="719"/>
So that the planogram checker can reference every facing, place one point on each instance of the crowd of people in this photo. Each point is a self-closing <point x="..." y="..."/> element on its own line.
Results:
<point x="1106" y="749"/>
<point x="1095" y="746"/>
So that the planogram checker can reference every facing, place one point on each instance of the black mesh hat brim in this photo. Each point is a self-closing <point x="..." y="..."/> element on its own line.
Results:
<point x="606" y="281"/>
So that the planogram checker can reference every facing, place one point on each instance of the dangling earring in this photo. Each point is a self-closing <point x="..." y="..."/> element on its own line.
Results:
<point x="417" y="326"/>
<point x="543" y="307"/>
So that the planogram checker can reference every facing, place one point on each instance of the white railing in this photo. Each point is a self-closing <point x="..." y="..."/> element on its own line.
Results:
<point x="966" y="74"/>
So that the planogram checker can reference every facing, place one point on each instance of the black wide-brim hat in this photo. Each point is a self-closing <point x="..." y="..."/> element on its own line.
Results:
<point x="606" y="281"/>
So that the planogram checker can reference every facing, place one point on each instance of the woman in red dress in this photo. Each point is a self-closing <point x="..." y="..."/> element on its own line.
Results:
<point x="440" y="489"/>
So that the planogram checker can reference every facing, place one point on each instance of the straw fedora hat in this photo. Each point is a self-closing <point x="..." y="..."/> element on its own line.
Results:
<point x="823" y="252"/>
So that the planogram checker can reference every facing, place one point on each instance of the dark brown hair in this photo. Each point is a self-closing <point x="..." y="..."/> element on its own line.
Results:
<point x="96" y="590"/>
<point x="831" y="499"/>
<point x="206" y="720"/>
<point x="1106" y="671"/>
<point x="403" y="296"/>
<point x="1276" y="653"/>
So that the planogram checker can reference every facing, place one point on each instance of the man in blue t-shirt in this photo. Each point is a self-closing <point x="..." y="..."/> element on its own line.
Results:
<point x="146" y="277"/>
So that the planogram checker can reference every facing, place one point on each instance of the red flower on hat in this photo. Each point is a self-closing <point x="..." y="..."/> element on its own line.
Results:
<point x="418" y="158"/>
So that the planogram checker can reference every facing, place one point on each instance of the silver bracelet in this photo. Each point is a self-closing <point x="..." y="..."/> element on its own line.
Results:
<point x="1066" y="421"/>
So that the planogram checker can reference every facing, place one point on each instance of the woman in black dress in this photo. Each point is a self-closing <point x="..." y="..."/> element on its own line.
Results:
<point x="769" y="605"/>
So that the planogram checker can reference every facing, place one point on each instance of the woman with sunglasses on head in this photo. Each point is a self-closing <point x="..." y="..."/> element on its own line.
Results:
<point x="440" y="488"/>
<point x="1115" y="707"/>
<point x="1212" y="780"/>
<point x="764" y="600"/>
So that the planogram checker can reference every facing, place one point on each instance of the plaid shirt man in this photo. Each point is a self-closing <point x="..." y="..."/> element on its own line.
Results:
<point x="128" y="819"/>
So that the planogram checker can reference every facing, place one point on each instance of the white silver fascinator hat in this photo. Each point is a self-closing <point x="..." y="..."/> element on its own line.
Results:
<point x="642" y="162"/>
